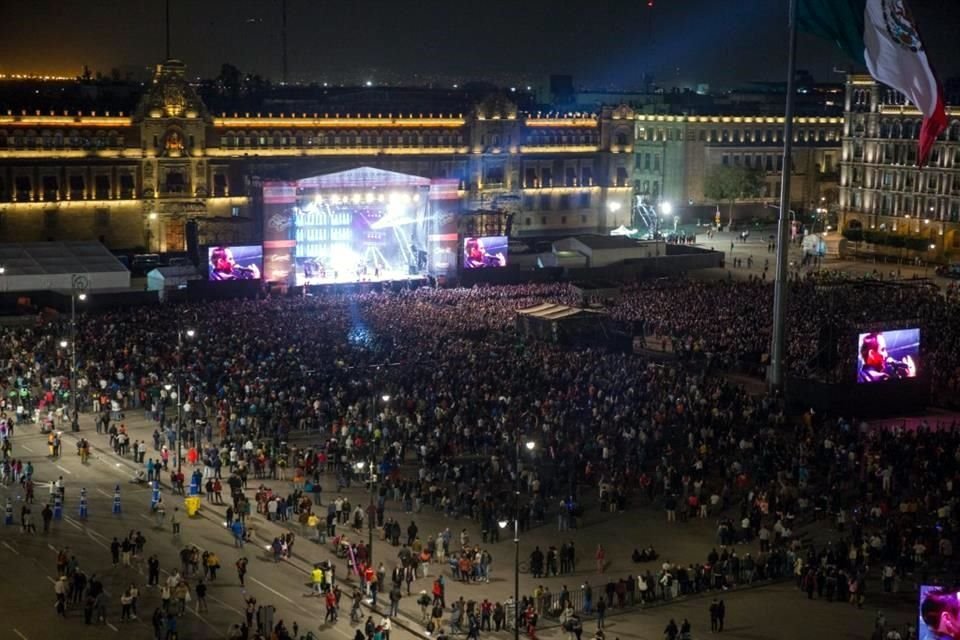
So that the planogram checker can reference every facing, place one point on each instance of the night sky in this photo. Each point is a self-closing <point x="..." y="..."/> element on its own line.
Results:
<point x="602" y="43"/>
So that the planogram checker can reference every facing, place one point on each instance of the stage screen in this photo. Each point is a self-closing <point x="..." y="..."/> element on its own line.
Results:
<point x="938" y="612"/>
<point x="371" y="236"/>
<point x="888" y="355"/>
<point x="485" y="252"/>
<point x="242" y="262"/>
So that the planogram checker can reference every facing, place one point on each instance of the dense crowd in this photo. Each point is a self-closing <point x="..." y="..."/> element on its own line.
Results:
<point x="434" y="390"/>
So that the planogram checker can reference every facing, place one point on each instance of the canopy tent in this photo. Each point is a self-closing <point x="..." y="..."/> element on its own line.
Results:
<point x="564" y="324"/>
<point x="48" y="266"/>
<point x="554" y="311"/>
<point x="163" y="279"/>
<point x="623" y="231"/>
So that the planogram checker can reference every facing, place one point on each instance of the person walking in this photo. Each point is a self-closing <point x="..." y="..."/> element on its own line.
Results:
<point x="201" y="592"/>
<point x="241" y="569"/>
<point x="714" y="615"/>
<point x="60" y="591"/>
<point x="721" y="614"/>
<point x="601" y="612"/>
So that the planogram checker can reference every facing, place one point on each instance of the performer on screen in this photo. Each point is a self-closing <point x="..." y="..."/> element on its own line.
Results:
<point x="876" y="364"/>
<point x="476" y="255"/>
<point x="940" y="611"/>
<point x="223" y="266"/>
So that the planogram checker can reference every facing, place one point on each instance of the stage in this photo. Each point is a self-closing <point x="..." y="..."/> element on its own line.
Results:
<point x="363" y="225"/>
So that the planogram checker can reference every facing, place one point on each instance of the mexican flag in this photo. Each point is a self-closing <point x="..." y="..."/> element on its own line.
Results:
<point x="881" y="34"/>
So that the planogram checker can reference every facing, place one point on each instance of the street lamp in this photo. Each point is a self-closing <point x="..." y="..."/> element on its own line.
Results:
<point x="180" y="334"/>
<point x="666" y="208"/>
<point x="530" y="445"/>
<point x="78" y="285"/>
<point x="371" y="509"/>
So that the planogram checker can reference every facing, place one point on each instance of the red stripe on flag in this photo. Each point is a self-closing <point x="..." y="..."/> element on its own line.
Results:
<point x="932" y="127"/>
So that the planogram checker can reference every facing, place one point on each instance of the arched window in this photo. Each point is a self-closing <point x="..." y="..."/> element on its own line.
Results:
<point x="622" y="139"/>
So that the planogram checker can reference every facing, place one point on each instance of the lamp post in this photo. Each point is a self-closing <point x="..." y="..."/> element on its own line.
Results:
<point x="78" y="286"/>
<point x="530" y="445"/>
<point x="179" y="399"/>
<point x="371" y="509"/>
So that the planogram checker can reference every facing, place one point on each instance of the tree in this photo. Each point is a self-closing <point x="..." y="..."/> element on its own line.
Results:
<point x="730" y="183"/>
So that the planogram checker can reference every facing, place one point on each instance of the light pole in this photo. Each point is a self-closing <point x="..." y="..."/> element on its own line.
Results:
<point x="371" y="509"/>
<point x="666" y="208"/>
<point x="530" y="445"/>
<point x="78" y="285"/>
<point x="180" y="333"/>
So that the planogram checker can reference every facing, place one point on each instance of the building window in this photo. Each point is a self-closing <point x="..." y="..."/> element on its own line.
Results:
<point x="126" y="186"/>
<point x="586" y="176"/>
<point x="543" y="219"/>
<point x="725" y="160"/>
<point x="570" y="178"/>
<point x="564" y="202"/>
<point x="656" y="162"/>
<point x="621" y="177"/>
<point x="546" y="177"/>
<point x="584" y="200"/>
<point x="101" y="187"/>
<point x="545" y="202"/>
<point x="563" y="219"/>
<point x="530" y="178"/>
<point x="583" y="219"/>
<point x="527" y="222"/>
<point x="646" y="162"/>
<point x="22" y="187"/>
<point x="219" y="185"/>
<point x="76" y="188"/>
<point x="49" y="187"/>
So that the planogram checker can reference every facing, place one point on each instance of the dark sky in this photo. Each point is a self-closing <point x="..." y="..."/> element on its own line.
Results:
<point x="602" y="43"/>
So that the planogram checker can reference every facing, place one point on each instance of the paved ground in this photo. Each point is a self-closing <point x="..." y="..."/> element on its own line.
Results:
<point x="756" y="247"/>
<point x="777" y="611"/>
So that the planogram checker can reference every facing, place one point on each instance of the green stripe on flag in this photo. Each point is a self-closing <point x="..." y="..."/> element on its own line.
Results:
<point x="839" y="20"/>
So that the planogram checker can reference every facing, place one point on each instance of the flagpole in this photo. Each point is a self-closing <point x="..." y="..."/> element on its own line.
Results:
<point x="778" y="343"/>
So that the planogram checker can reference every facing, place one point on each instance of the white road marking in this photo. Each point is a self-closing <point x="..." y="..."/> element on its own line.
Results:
<point x="112" y="627"/>
<point x="103" y="493"/>
<point x="73" y="524"/>
<point x="14" y="551"/>
<point x="52" y="581"/>
<point x="31" y="451"/>
<point x="225" y="605"/>
<point x="65" y="470"/>
<point x="52" y="548"/>
<point x="277" y="593"/>
<point x="20" y="635"/>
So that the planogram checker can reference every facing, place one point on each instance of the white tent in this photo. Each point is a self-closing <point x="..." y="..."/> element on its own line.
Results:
<point x="622" y="231"/>
<point x="164" y="279"/>
<point x="45" y="266"/>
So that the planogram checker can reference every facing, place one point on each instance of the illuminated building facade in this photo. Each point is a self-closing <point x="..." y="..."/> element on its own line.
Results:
<point x="884" y="195"/>
<point x="134" y="180"/>
<point x="676" y="153"/>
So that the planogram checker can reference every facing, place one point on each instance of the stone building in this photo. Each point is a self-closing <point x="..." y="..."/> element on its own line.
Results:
<point x="676" y="153"/>
<point x="135" y="180"/>
<point x="881" y="187"/>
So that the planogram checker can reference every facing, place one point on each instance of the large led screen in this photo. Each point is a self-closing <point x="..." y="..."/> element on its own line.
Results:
<point x="888" y="355"/>
<point x="242" y="262"/>
<point x="485" y="252"/>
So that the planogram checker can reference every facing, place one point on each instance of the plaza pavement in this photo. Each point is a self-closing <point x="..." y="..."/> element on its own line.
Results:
<point x="775" y="611"/>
